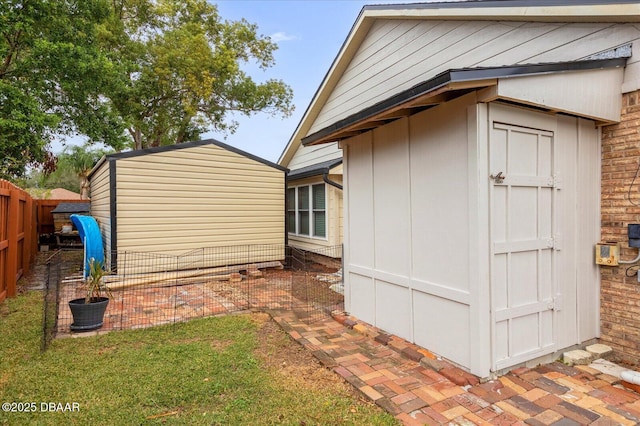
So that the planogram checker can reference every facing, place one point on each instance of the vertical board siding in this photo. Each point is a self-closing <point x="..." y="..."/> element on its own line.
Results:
<point x="204" y="196"/>
<point x="310" y="155"/>
<point x="407" y="215"/>
<point x="432" y="167"/>
<point x="397" y="56"/>
<point x="391" y="186"/>
<point x="588" y="231"/>
<point x="360" y="204"/>
<point x="439" y="181"/>
<point x="568" y="156"/>
<point x="101" y="204"/>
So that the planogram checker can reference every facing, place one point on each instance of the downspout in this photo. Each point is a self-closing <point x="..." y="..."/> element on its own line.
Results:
<point x="325" y="178"/>
<point x="286" y="212"/>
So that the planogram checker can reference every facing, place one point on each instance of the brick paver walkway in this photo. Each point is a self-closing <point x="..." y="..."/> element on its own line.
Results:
<point x="418" y="389"/>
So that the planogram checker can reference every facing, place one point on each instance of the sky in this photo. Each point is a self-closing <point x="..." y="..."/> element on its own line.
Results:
<point x="309" y="35"/>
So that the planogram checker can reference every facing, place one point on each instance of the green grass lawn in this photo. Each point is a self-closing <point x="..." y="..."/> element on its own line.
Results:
<point x="232" y="370"/>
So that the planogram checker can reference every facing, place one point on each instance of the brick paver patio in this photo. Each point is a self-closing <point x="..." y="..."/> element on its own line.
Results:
<point x="434" y="392"/>
<point x="407" y="381"/>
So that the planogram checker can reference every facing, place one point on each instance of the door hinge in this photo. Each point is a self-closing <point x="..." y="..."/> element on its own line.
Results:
<point x="557" y="181"/>
<point x="557" y="242"/>
<point x="558" y="302"/>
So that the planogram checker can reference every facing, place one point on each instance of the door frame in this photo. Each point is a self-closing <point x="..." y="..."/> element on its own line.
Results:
<point x="525" y="118"/>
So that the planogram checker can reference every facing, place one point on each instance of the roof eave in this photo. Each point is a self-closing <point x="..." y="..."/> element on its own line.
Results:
<point x="442" y="88"/>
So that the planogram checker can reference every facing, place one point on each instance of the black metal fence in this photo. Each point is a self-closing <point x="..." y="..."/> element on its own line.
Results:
<point x="58" y="266"/>
<point x="317" y="285"/>
<point x="148" y="289"/>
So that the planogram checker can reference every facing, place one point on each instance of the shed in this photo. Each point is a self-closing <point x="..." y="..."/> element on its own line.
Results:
<point x="470" y="134"/>
<point x="63" y="211"/>
<point x="173" y="199"/>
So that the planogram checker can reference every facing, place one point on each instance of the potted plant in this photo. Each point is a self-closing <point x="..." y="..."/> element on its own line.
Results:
<point x="88" y="312"/>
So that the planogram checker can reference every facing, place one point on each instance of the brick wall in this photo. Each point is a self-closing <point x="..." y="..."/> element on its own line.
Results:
<point x="620" y="294"/>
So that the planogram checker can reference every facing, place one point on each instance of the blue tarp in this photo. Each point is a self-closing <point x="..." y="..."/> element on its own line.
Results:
<point x="91" y="238"/>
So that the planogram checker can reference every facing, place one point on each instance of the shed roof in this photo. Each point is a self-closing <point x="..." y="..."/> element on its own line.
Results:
<point x="72" y="208"/>
<point x="314" y="169"/>
<point x="186" y="145"/>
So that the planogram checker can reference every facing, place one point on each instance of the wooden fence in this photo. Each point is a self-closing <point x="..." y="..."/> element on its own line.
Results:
<point x="18" y="238"/>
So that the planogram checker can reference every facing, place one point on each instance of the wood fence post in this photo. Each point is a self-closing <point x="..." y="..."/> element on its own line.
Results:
<point x="27" y="242"/>
<point x="12" y="236"/>
<point x="35" y="244"/>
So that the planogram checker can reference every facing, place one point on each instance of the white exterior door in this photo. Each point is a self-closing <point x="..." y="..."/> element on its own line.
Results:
<point x="522" y="195"/>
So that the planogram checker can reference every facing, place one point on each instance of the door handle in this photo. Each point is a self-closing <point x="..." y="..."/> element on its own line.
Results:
<point x="499" y="178"/>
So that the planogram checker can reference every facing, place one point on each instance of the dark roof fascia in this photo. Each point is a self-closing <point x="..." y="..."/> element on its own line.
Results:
<point x="168" y="148"/>
<point x="314" y="170"/>
<point x="475" y="4"/>
<point x="458" y="76"/>
<point x="97" y="166"/>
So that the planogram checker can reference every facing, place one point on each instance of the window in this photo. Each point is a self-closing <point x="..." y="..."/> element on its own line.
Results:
<point x="307" y="210"/>
<point x="291" y="210"/>
<point x="319" y="211"/>
<point x="303" y="210"/>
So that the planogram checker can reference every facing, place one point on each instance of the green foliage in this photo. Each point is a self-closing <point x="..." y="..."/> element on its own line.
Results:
<point x="199" y="373"/>
<point x="135" y="73"/>
<point x="94" y="285"/>
<point x="71" y="172"/>
<point x="52" y="76"/>
<point x="186" y="74"/>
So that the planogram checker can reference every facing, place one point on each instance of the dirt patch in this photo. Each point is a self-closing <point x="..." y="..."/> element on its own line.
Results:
<point x="295" y="365"/>
<point x="311" y="286"/>
<point x="35" y="279"/>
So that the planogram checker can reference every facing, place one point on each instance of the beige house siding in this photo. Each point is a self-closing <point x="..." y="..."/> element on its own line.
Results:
<point x="101" y="206"/>
<point x="306" y="156"/>
<point x="398" y="54"/>
<point x="309" y="155"/>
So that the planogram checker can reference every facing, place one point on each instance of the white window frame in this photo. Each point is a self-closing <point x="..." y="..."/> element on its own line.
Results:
<point x="310" y="211"/>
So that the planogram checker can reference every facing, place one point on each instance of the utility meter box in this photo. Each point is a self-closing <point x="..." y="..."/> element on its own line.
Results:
<point x="607" y="254"/>
<point x="633" y="230"/>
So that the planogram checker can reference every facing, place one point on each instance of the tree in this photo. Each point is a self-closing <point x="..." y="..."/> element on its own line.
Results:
<point x="52" y="74"/>
<point x="72" y="171"/>
<point x="80" y="160"/>
<point x="136" y="73"/>
<point x="185" y="74"/>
